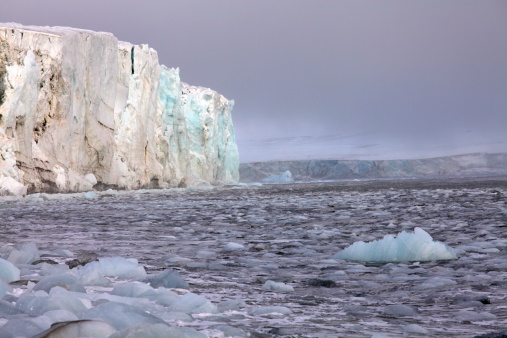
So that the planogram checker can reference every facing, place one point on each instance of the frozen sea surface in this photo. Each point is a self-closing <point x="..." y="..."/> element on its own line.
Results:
<point x="228" y="243"/>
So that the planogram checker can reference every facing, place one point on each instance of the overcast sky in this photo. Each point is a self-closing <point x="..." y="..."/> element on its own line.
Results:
<point x="366" y="73"/>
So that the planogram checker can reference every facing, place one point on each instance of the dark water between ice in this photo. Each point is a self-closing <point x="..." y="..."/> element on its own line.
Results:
<point x="289" y="233"/>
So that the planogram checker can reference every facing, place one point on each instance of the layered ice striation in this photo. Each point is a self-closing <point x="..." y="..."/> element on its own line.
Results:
<point x="406" y="247"/>
<point x="80" y="109"/>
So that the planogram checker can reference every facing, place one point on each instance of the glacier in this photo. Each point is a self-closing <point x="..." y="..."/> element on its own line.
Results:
<point x="80" y="110"/>
<point x="406" y="247"/>
<point x="462" y="165"/>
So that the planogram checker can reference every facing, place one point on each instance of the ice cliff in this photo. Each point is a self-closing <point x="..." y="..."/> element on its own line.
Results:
<point x="80" y="109"/>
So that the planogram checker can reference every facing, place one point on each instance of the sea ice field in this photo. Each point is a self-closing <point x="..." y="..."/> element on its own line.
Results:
<point x="255" y="261"/>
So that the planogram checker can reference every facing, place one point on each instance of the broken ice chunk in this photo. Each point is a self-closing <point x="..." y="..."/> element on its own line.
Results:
<point x="231" y="246"/>
<point x="121" y="315"/>
<point x="414" y="328"/>
<point x="169" y="279"/>
<point x="7" y="309"/>
<point x="60" y="315"/>
<point x="262" y="310"/>
<point x="4" y="288"/>
<point x="78" y="328"/>
<point x="24" y="253"/>
<point x="65" y="280"/>
<point x="20" y="327"/>
<point x="66" y="300"/>
<point x="400" y="310"/>
<point x="158" y="330"/>
<point x="93" y="273"/>
<point x="406" y="247"/>
<point x="8" y="272"/>
<point x="36" y="303"/>
<point x="192" y="303"/>
<point x="89" y="195"/>
<point x="130" y="289"/>
<point x="274" y="286"/>
<point x="435" y="282"/>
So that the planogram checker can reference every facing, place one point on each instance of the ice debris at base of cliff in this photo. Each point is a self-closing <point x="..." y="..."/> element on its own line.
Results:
<point x="406" y="247"/>
<point x="80" y="109"/>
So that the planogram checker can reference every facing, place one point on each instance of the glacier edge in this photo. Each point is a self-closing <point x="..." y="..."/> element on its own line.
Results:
<point x="81" y="110"/>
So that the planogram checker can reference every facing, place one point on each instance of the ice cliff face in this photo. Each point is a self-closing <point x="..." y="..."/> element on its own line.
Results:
<point x="80" y="109"/>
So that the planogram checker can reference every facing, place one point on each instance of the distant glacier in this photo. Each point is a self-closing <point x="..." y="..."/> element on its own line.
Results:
<point x="477" y="164"/>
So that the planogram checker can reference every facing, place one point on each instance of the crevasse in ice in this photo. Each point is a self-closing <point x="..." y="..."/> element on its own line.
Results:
<point x="406" y="247"/>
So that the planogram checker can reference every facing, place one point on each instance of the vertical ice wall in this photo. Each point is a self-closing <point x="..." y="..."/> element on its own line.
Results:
<point x="78" y="107"/>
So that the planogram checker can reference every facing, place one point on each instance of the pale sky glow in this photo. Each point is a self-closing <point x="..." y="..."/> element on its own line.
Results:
<point x="347" y="78"/>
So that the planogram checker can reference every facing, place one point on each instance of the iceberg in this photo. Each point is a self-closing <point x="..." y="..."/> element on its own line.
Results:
<point x="80" y="110"/>
<point x="406" y="247"/>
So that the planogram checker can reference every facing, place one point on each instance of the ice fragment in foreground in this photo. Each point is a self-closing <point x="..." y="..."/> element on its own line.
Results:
<point x="65" y="280"/>
<point x="130" y="289"/>
<point x="7" y="309"/>
<point x="93" y="273"/>
<point x="24" y="253"/>
<point x="8" y="272"/>
<point x="406" y="247"/>
<point x="20" y="327"/>
<point x="78" y="328"/>
<point x="158" y="330"/>
<point x="121" y="316"/>
<point x="192" y="303"/>
<point x="169" y="279"/>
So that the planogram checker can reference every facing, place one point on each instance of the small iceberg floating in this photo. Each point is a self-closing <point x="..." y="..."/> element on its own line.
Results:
<point x="406" y="247"/>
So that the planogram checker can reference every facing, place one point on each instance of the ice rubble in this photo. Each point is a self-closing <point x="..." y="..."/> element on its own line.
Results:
<point x="107" y="297"/>
<point x="80" y="108"/>
<point x="406" y="247"/>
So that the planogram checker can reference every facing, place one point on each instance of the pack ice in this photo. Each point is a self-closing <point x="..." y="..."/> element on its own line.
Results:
<point x="80" y="109"/>
<point x="406" y="247"/>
